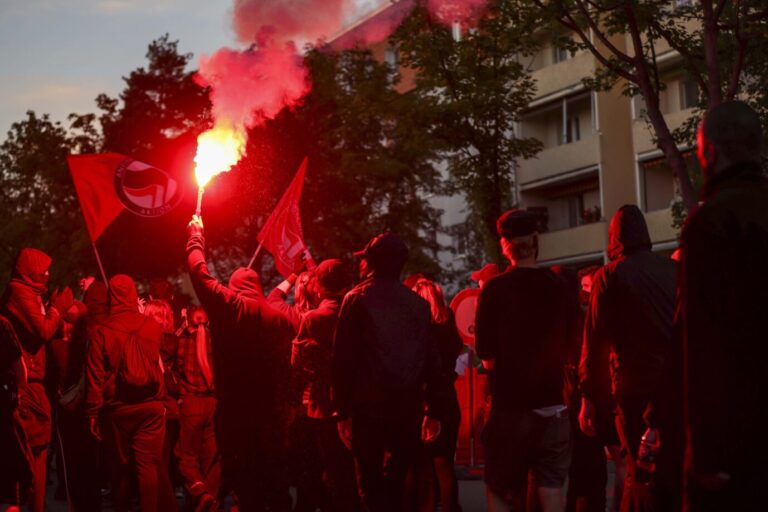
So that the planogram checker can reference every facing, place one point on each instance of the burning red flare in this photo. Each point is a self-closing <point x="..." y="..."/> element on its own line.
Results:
<point x="218" y="150"/>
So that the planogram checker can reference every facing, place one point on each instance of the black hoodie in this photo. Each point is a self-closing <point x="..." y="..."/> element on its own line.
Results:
<point x="724" y="302"/>
<point x="251" y="344"/>
<point x="107" y="341"/>
<point x="629" y="323"/>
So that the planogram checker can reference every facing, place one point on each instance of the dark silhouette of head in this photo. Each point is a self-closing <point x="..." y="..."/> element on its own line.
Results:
<point x="384" y="256"/>
<point x="730" y="134"/>
<point x="518" y="230"/>
<point x="246" y="283"/>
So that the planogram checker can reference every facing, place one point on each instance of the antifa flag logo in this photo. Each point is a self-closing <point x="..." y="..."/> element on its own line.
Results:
<point x="145" y="190"/>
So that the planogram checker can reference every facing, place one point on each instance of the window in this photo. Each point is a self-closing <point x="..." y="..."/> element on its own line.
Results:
<point x="658" y="182"/>
<point x="572" y="131"/>
<point x="560" y="54"/>
<point x="391" y="57"/>
<point x="639" y="108"/>
<point x="689" y="93"/>
<point x="456" y="31"/>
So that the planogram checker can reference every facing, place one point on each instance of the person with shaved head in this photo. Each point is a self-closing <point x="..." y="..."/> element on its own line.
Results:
<point x="723" y="304"/>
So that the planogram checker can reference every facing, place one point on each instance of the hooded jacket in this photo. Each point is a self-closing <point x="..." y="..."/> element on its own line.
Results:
<point x="385" y="357"/>
<point x="723" y="304"/>
<point x="107" y="342"/>
<point x="629" y="324"/>
<point x="251" y="344"/>
<point x="22" y="304"/>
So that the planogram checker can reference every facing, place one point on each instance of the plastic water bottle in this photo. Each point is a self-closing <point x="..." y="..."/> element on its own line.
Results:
<point x="647" y="455"/>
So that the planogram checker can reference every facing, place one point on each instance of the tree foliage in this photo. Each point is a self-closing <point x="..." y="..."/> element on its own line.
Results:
<point x="37" y="199"/>
<point x="370" y="166"/>
<point x="471" y="91"/>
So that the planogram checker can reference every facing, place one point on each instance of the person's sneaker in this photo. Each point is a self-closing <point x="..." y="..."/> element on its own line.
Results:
<point x="205" y="503"/>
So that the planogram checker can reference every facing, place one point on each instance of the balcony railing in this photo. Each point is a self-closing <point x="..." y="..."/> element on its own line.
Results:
<point x="563" y="75"/>
<point x="560" y="159"/>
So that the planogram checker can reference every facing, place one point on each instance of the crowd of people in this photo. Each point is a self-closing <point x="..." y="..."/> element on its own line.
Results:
<point x="346" y="392"/>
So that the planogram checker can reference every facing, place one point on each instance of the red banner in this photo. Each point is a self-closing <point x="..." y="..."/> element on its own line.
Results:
<point x="282" y="235"/>
<point x="109" y="184"/>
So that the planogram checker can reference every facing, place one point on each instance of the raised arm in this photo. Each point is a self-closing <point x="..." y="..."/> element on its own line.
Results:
<point x="211" y="293"/>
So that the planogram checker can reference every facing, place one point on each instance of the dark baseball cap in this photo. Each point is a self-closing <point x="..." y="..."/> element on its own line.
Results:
<point x="386" y="249"/>
<point x="516" y="223"/>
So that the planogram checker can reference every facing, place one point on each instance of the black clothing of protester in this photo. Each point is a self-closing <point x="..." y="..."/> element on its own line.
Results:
<point x="629" y="330"/>
<point x="385" y="365"/>
<point x="135" y="423"/>
<point x="35" y="325"/>
<point x="526" y="324"/>
<point x="629" y="323"/>
<point x="724" y="299"/>
<point x="311" y="359"/>
<point x="293" y="312"/>
<point x="16" y="468"/>
<point x="449" y="346"/>
<point x="251" y="362"/>
<point x="78" y="449"/>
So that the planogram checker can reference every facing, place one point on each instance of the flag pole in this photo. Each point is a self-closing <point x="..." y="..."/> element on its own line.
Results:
<point x="253" y="259"/>
<point x="98" y="260"/>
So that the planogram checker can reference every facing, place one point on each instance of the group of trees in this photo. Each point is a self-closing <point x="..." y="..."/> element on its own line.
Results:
<point x="377" y="153"/>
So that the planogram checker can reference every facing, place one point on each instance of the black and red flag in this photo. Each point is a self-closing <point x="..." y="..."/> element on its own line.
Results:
<point x="129" y="209"/>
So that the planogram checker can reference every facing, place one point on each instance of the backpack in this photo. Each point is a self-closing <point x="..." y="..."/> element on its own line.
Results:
<point x="139" y="373"/>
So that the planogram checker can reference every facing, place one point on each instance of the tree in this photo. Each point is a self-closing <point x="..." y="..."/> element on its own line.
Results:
<point x="370" y="166"/>
<point x="714" y="40"/>
<point x="471" y="91"/>
<point x="37" y="198"/>
<point x="159" y="106"/>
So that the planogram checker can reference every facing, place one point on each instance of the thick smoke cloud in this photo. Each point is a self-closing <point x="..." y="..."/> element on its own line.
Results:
<point x="449" y="11"/>
<point x="252" y="85"/>
<point x="292" y="20"/>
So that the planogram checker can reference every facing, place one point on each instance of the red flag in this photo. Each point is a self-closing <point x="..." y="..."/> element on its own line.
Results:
<point x="108" y="184"/>
<point x="282" y="235"/>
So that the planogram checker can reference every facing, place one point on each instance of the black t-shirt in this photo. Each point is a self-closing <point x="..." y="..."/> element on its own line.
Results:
<point x="526" y="323"/>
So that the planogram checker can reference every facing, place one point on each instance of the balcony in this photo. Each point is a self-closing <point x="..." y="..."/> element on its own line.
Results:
<point x="642" y="132"/>
<point x="566" y="243"/>
<point x="557" y="160"/>
<point x="565" y="74"/>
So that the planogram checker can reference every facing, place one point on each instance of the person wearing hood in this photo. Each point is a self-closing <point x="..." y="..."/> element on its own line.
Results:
<point x="251" y="348"/>
<point x="629" y="332"/>
<point x="385" y="364"/>
<point x="723" y="304"/>
<point x="35" y="325"/>
<point x="124" y="381"/>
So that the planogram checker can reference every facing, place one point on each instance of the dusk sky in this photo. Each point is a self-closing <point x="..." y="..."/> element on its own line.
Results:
<point x="57" y="55"/>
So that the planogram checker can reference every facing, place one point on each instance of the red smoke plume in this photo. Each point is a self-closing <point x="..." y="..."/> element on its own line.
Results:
<point x="449" y="11"/>
<point x="290" y="19"/>
<point x="252" y="85"/>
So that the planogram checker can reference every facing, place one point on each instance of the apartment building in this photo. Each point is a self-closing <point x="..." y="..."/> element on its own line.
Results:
<point x="598" y="151"/>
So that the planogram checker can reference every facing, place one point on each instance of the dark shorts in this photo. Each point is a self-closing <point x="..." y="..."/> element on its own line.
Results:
<point x="519" y="442"/>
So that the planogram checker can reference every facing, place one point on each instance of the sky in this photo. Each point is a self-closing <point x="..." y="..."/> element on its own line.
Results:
<point x="57" y="55"/>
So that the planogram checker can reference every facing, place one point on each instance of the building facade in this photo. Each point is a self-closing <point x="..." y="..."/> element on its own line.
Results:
<point x="598" y="150"/>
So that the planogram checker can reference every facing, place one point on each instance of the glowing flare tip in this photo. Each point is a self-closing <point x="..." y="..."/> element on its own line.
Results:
<point x="218" y="150"/>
